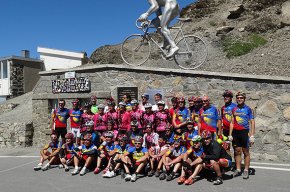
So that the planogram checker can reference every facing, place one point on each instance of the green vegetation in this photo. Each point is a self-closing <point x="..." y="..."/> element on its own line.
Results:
<point x="234" y="48"/>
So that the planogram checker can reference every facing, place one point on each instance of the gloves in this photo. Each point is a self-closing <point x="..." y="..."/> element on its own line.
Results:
<point x="252" y="139"/>
<point x="230" y="138"/>
<point x="143" y="17"/>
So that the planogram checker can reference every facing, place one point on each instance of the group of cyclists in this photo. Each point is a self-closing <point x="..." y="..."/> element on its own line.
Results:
<point x="134" y="138"/>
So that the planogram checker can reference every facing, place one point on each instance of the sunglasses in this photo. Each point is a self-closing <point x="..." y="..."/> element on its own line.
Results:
<point x="240" y="97"/>
<point x="137" y="143"/>
<point x="87" y="140"/>
<point x="204" y="101"/>
<point x="208" y="138"/>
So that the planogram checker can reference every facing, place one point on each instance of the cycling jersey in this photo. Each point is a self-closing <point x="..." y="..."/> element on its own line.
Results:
<point x="226" y="115"/>
<point x="194" y="153"/>
<point x="122" y="149"/>
<point x="113" y="117"/>
<point x="136" y="116"/>
<point x="95" y="137"/>
<point x="181" y="115"/>
<point x="100" y="123"/>
<point x="209" y="118"/>
<point x="75" y="118"/>
<point x="150" y="140"/>
<point x="60" y="117"/>
<point x="162" y="118"/>
<point x="176" y="152"/>
<point x="53" y="146"/>
<point x="187" y="137"/>
<point x="137" y="153"/>
<point x="147" y="119"/>
<point x="242" y="116"/>
<point x="86" y="117"/>
<point x="124" y="119"/>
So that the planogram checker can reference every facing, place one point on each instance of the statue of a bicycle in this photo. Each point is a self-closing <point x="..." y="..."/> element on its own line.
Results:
<point x="188" y="51"/>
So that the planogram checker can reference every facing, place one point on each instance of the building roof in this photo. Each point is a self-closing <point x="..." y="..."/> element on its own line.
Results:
<point x="20" y="58"/>
<point x="49" y="51"/>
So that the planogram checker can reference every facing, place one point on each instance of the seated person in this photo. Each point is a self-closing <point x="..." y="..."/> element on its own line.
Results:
<point x="173" y="158"/>
<point x="115" y="164"/>
<point x="134" y="132"/>
<point x="105" y="152"/>
<point x="67" y="151"/>
<point x="189" y="134"/>
<point x="86" y="154"/>
<point x="136" y="158"/>
<point x="192" y="162"/>
<point x="49" y="152"/>
<point x="215" y="156"/>
<point x="89" y="125"/>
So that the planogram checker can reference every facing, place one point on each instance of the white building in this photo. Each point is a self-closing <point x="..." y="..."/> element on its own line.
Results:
<point x="59" y="59"/>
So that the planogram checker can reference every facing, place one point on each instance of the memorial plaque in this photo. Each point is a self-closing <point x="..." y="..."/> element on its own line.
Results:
<point x="132" y="91"/>
<point x="73" y="85"/>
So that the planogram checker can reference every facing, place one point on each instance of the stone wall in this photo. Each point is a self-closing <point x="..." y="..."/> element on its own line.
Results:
<point x="268" y="96"/>
<point x="17" y="80"/>
<point x="16" y="134"/>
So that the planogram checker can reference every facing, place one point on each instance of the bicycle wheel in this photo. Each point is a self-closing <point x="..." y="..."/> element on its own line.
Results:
<point x="135" y="50"/>
<point x="192" y="52"/>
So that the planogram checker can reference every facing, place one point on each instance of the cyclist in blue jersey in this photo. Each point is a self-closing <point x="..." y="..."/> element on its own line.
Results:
<point x="67" y="152"/>
<point x="181" y="116"/>
<point x="242" y="130"/>
<point x="226" y="111"/>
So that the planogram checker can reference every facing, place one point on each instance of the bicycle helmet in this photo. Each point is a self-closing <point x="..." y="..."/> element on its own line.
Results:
<point x="181" y="99"/>
<point x="101" y="106"/>
<point x="138" y="139"/>
<point x="160" y="103"/>
<point x="192" y="98"/>
<point x="111" y="103"/>
<point x="134" y="124"/>
<point x="69" y="136"/>
<point x="206" y="134"/>
<point x="241" y="93"/>
<point x="228" y="93"/>
<point x="109" y="134"/>
<point x="122" y="103"/>
<point x="123" y="137"/>
<point x="196" y="138"/>
<point x="134" y="101"/>
<point x="89" y="123"/>
<point x="145" y="95"/>
<point x="147" y="105"/>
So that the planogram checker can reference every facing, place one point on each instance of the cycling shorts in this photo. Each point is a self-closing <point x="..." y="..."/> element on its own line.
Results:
<point x="241" y="138"/>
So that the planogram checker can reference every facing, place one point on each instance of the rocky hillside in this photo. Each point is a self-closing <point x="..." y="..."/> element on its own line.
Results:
<point x="225" y="23"/>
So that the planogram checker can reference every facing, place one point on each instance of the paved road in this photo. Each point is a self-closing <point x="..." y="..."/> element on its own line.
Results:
<point x="17" y="174"/>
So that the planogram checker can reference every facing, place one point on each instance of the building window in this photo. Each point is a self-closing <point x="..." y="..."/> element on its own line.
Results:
<point x="5" y="70"/>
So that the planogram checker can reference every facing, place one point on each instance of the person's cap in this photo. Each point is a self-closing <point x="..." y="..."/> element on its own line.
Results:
<point x="145" y="95"/>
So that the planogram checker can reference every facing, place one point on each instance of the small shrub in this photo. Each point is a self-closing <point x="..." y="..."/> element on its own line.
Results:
<point x="234" y="48"/>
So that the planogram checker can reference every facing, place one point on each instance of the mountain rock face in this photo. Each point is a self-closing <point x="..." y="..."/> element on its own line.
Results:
<point x="269" y="19"/>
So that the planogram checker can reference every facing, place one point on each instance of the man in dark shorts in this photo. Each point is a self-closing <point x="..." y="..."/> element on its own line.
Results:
<point x="59" y="119"/>
<point x="242" y="130"/>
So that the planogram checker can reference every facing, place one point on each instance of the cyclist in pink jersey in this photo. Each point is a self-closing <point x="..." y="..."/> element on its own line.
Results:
<point x="148" y="117"/>
<point x="136" y="113"/>
<point x="112" y="114"/>
<point x="87" y="116"/>
<point x="124" y="118"/>
<point x="100" y="123"/>
<point x="162" y="118"/>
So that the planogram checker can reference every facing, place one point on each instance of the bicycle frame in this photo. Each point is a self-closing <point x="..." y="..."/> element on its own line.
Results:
<point x="148" y="36"/>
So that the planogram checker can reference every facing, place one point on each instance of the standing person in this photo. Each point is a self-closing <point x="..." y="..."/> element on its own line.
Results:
<point x="209" y="118"/>
<point x="170" y="11"/>
<point x="181" y="116"/>
<point x="127" y="99"/>
<point x="242" y="126"/>
<point x="112" y="115"/>
<point x="162" y="118"/>
<point x="100" y="124"/>
<point x="75" y="120"/>
<point x="145" y="100"/>
<point x="136" y="113"/>
<point x="86" y="116"/>
<point x="124" y="118"/>
<point x="59" y="120"/>
<point x="157" y="98"/>
<point x="148" y="117"/>
<point x="94" y="107"/>
<point x="197" y="107"/>
<point x="174" y="102"/>
<point x="226" y="112"/>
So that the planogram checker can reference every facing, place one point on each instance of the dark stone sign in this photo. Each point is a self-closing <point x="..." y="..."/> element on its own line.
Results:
<point x="73" y="85"/>
<point x="132" y="91"/>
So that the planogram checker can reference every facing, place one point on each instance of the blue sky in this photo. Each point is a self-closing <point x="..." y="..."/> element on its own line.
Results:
<point x="72" y="25"/>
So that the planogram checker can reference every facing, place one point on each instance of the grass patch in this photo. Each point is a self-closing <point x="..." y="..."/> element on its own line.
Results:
<point x="235" y="48"/>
